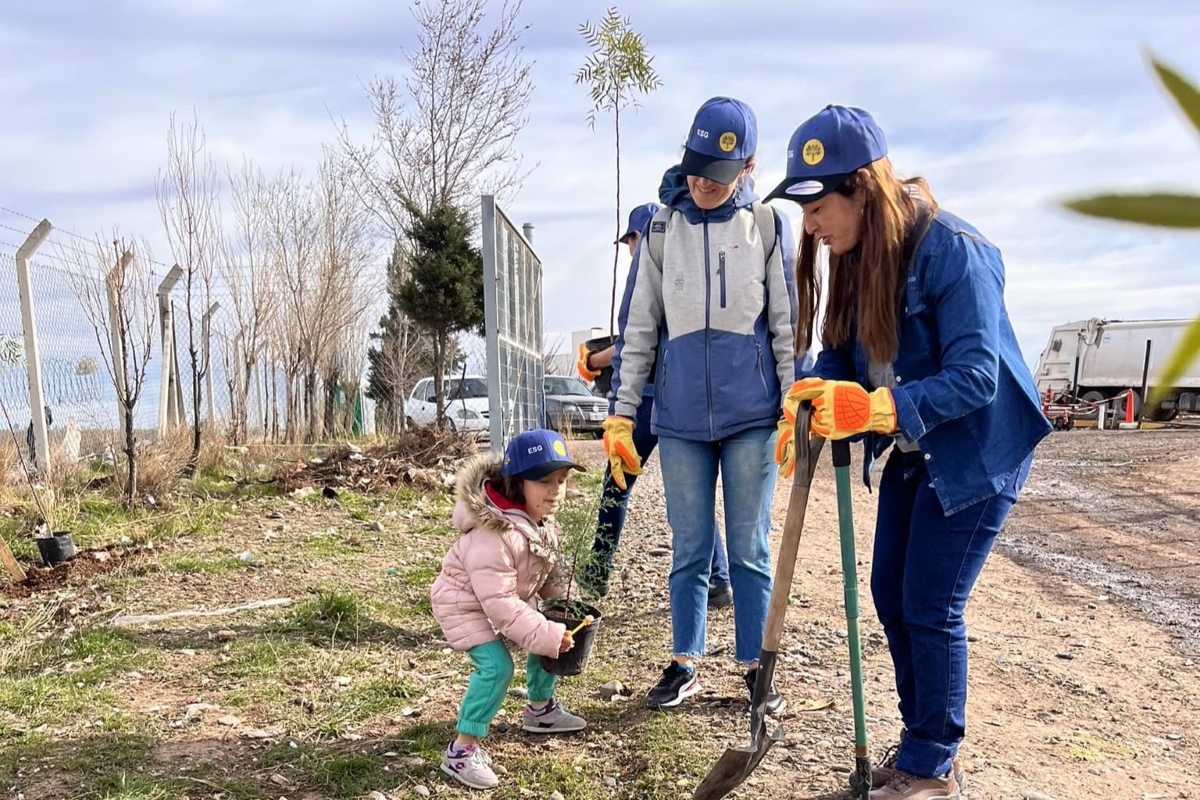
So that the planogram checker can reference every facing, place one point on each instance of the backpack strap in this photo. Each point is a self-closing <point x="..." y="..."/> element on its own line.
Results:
<point x="658" y="232"/>
<point x="764" y="219"/>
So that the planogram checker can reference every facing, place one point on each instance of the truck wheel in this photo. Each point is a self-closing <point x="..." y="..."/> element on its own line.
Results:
<point x="1122" y="399"/>
<point x="1164" y="414"/>
<point x="1092" y="396"/>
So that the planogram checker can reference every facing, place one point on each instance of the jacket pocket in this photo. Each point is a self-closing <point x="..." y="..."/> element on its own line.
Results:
<point x="721" y="275"/>
<point x="919" y="348"/>
<point x="762" y="376"/>
<point x="660" y="391"/>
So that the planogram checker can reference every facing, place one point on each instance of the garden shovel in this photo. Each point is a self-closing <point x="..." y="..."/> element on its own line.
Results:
<point x="738" y="762"/>
<point x="860" y="779"/>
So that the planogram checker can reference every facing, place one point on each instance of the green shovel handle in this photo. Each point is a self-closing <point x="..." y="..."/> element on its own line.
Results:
<point x="840" y="450"/>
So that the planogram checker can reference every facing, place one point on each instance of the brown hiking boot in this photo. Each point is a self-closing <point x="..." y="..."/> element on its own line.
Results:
<point x="887" y="768"/>
<point x="903" y="786"/>
<point x="882" y="772"/>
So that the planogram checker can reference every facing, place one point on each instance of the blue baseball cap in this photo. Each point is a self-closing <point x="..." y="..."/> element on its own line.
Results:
<point x="534" y="454"/>
<point x="724" y="136"/>
<point x="826" y="149"/>
<point x="639" y="220"/>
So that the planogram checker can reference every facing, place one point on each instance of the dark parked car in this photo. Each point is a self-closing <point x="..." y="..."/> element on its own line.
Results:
<point x="571" y="407"/>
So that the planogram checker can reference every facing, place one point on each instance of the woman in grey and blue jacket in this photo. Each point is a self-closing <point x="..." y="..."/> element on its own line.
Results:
<point x="718" y="311"/>
<point x="918" y="352"/>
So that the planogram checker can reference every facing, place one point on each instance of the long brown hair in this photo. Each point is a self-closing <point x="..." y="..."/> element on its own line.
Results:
<point x="865" y="285"/>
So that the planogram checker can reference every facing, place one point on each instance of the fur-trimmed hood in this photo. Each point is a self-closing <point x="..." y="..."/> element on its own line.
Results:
<point x="499" y="568"/>
<point x="478" y="507"/>
<point x="471" y="495"/>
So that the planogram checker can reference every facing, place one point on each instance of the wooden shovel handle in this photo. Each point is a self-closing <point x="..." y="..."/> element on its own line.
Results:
<point x="808" y="450"/>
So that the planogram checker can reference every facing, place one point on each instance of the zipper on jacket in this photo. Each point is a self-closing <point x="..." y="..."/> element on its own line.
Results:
<point x="761" y="376"/>
<point x="721" y="275"/>
<point x="708" y="330"/>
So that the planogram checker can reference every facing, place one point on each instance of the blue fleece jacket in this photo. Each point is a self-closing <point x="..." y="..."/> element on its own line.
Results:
<point x="719" y="315"/>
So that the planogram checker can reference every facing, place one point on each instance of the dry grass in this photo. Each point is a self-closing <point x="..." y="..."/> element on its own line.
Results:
<point x="161" y="465"/>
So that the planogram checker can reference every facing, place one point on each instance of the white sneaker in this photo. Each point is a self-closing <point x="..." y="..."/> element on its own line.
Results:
<point x="551" y="718"/>
<point x="470" y="766"/>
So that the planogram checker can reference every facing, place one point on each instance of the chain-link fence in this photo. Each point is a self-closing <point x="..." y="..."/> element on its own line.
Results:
<point x="77" y="390"/>
<point x="264" y="373"/>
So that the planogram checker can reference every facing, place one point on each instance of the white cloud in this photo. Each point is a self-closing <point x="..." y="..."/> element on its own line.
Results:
<point x="1006" y="109"/>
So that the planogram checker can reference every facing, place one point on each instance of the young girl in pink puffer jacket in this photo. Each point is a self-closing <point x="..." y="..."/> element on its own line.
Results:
<point x="488" y="591"/>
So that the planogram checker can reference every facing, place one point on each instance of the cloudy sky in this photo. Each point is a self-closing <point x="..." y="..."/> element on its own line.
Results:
<point x="1006" y="108"/>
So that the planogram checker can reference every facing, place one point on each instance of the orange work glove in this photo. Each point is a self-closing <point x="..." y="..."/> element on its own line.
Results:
<point x="841" y="409"/>
<point x="618" y="446"/>
<point x="582" y="364"/>
<point x="785" y="447"/>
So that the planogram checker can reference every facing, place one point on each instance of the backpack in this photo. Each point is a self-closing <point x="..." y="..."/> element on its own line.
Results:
<point x="764" y="219"/>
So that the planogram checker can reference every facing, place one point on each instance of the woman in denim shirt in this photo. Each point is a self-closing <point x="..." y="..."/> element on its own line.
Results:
<point x="918" y="352"/>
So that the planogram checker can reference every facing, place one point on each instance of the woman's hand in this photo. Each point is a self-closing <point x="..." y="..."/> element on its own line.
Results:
<point x="841" y="409"/>
<point x="581" y="366"/>
<point x="618" y="446"/>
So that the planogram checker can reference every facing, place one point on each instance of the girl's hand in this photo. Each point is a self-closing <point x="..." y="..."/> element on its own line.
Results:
<point x="567" y="643"/>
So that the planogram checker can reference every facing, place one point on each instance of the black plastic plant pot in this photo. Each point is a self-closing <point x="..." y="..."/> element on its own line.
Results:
<point x="56" y="549"/>
<point x="65" y="543"/>
<point x="575" y="660"/>
<point x="603" y="381"/>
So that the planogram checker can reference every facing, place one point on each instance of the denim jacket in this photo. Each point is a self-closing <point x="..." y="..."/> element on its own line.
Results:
<point x="962" y="390"/>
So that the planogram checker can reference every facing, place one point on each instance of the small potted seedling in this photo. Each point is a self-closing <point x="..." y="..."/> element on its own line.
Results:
<point x="54" y="546"/>
<point x="578" y="521"/>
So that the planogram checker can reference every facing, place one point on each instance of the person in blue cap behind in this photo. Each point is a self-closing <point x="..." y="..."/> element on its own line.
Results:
<point x="917" y="352"/>
<point x="710" y="300"/>
<point x="614" y="501"/>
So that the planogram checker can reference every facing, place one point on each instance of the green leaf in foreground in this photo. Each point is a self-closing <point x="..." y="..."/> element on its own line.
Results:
<point x="1162" y="209"/>
<point x="1187" y="95"/>
<point x="1187" y="351"/>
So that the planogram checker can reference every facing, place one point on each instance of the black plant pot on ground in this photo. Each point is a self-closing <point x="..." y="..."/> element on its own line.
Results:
<point x="56" y="549"/>
<point x="571" y="613"/>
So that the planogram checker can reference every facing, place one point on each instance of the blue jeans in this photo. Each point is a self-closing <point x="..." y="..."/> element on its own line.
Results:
<point x="615" y="501"/>
<point x="747" y="466"/>
<point x="924" y="567"/>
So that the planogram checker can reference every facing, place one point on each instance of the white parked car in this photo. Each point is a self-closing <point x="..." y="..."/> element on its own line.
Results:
<point x="466" y="404"/>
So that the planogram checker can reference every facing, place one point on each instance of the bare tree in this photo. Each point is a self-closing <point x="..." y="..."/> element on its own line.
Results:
<point x="323" y="254"/>
<point x="446" y="132"/>
<point x="246" y="269"/>
<point x="188" y="194"/>
<point x="442" y="136"/>
<point x="292" y="228"/>
<point x="116" y="291"/>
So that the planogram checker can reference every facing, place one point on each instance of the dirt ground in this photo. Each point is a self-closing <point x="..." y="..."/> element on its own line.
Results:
<point x="1083" y="630"/>
<point x="1083" y="678"/>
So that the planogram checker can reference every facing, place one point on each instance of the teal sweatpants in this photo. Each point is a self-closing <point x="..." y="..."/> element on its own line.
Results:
<point x="489" y="683"/>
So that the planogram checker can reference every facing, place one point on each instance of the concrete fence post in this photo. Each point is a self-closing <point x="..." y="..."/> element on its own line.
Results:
<point x="33" y="362"/>
<point x="167" y="330"/>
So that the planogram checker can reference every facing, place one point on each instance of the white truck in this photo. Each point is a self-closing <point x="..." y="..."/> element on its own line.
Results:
<point x="1097" y="360"/>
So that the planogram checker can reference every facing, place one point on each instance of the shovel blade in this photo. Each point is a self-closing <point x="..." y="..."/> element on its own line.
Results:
<point x="734" y="766"/>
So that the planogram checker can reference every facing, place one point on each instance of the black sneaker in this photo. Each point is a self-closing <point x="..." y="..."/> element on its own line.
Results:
<point x="775" y="701"/>
<point x="594" y="589"/>
<point x="593" y="581"/>
<point x="676" y="684"/>
<point x="720" y="596"/>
